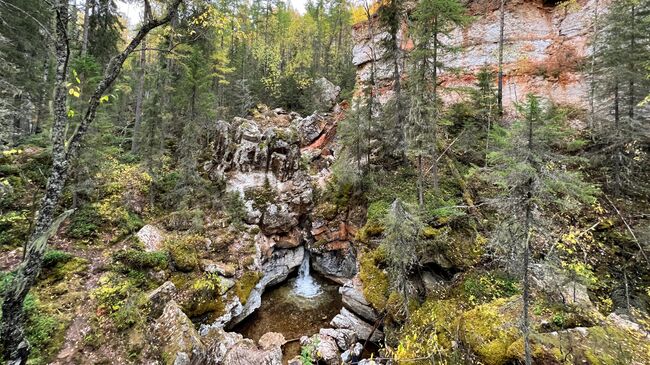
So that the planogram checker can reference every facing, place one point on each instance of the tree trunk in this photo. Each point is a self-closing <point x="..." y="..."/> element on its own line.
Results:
<point x="500" y="77"/>
<point x="420" y="182"/>
<point x="434" y="148"/>
<point x="15" y="346"/>
<point x="84" y="39"/>
<point x="135" y="139"/>
<point x="592" y="84"/>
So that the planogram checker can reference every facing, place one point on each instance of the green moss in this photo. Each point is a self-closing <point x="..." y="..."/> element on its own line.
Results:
<point x="53" y="258"/>
<point x="245" y="285"/>
<point x="183" y="251"/>
<point x="44" y="331"/>
<point x="374" y="279"/>
<point x="136" y="259"/>
<point x="85" y="223"/>
<point x="482" y="287"/>
<point x="490" y="329"/>
<point x="262" y="195"/>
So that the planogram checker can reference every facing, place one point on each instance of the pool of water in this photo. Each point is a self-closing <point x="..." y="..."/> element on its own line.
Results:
<point x="298" y="307"/>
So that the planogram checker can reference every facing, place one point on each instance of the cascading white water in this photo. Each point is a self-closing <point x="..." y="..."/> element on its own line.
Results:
<point x="305" y="285"/>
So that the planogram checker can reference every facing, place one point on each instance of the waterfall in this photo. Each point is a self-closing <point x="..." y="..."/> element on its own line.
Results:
<point x="305" y="286"/>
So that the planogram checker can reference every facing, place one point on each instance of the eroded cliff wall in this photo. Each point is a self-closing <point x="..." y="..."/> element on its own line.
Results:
<point x="546" y="52"/>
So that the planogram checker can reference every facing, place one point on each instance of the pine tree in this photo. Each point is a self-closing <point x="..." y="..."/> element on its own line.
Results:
<point x="534" y="183"/>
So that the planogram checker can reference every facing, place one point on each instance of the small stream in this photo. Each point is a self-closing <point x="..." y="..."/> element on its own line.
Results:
<point x="298" y="307"/>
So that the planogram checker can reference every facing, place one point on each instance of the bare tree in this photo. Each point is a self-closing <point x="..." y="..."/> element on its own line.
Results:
<point x="15" y="346"/>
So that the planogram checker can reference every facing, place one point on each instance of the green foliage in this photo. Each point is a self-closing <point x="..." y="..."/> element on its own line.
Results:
<point x="53" y="258"/>
<point x="307" y="351"/>
<point x="139" y="260"/>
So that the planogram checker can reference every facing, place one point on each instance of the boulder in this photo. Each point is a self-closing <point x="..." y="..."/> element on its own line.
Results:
<point x="159" y="298"/>
<point x="178" y="337"/>
<point x="271" y="340"/>
<point x="278" y="218"/>
<point x="348" y="320"/>
<point x="354" y="300"/>
<point x="324" y="348"/>
<point x="151" y="237"/>
<point x="552" y="281"/>
<point x="327" y="93"/>
<point x="310" y="128"/>
<point x="245" y="352"/>
<point x="344" y="338"/>
<point x="218" y="342"/>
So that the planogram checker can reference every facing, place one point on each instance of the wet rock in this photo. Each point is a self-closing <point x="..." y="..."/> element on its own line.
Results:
<point x="353" y="299"/>
<point x="159" y="298"/>
<point x="339" y="265"/>
<point x="275" y="269"/>
<point x="178" y="336"/>
<point x="364" y="330"/>
<point x="152" y="237"/>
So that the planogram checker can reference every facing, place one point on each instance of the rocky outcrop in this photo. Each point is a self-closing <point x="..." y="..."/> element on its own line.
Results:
<point x="545" y="46"/>
<point x="179" y="339"/>
<point x="159" y="298"/>
<point x="558" y="286"/>
<point x="354" y="300"/>
<point x="350" y="321"/>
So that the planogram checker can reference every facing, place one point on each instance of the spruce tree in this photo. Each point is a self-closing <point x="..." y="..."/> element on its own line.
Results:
<point x="432" y="19"/>
<point x="622" y="133"/>
<point x="534" y="183"/>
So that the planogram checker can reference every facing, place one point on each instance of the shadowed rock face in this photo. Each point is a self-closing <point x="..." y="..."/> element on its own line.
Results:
<point x="545" y="43"/>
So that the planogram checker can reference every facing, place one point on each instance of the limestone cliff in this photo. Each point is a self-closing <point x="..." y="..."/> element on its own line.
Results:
<point x="547" y="48"/>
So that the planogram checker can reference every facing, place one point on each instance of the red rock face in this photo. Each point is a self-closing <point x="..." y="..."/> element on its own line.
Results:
<point x="547" y="45"/>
